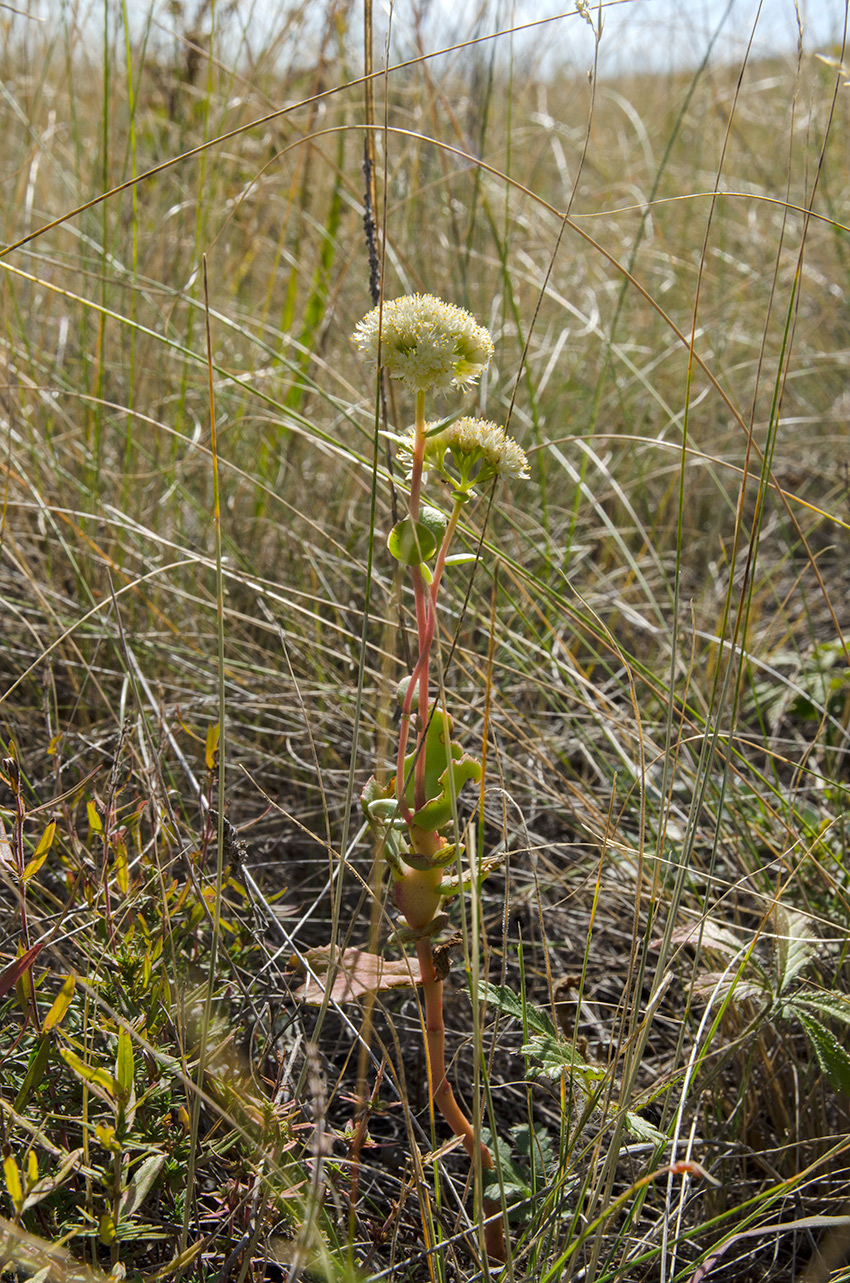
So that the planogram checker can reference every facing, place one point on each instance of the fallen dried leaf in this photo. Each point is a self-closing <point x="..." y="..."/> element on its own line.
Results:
<point x="356" y="972"/>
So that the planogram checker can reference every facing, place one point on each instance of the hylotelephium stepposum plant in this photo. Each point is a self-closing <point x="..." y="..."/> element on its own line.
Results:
<point x="432" y="346"/>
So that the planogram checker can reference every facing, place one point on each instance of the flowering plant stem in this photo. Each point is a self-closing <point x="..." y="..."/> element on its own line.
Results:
<point x="433" y="346"/>
<point x="440" y="1088"/>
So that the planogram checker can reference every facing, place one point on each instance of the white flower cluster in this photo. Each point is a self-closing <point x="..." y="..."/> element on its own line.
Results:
<point x="480" y="451"/>
<point x="429" y="344"/>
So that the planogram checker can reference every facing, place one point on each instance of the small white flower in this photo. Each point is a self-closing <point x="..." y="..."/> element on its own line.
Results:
<point x="480" y="450"/>
<point x="429" y="344"/>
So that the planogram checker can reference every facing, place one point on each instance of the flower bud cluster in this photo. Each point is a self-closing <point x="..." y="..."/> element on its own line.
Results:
<point x="469" y="452"/>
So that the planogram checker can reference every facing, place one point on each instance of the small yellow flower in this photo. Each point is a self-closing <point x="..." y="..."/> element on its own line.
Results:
<point x="429" y="344"/>
<point x="480" y="450"/>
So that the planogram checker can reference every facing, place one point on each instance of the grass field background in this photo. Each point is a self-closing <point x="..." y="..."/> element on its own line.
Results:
<point x="652" y="647"/>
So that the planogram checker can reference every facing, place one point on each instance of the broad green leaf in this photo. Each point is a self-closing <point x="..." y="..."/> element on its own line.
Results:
<point x="124" y="1071"/>
<point x="644" y="1129"/>
<point x="121" y="867"/>
<point x="715" y="982"/>
<point x="535" y="1146"/>
<point x="512" y="1175"/>
<point x="796" y="944"/>
<point x="46" y="840"/>
<point x="504" y="999"/>
<point x="125" y="1075"/>
<point x="107" y="1136"/>
<point x="831" y="1056"/>
<point x="61" y="1003"/>
<point x="537" y="1020"/>
<point x="557" y="1057"/>
<point x="95" y="823"/>
<point x="47" y="1184"/>
<point x="555" y="1054"/>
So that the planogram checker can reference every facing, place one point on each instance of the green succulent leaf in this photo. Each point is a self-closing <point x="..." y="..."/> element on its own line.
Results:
<point x="447" y="769"/>
<point x="453" y="885"/>
<point x="412" y="542"/>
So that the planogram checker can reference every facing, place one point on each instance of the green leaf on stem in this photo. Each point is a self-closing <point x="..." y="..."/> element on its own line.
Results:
<point x="453" y="885"/>
<point x="410" y="542"/>
<point x="447" y="769"/>
<point x="35" y="1072"/>
<point x="831" y="1056"/>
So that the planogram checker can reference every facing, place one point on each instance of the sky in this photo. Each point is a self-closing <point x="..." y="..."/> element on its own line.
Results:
<point x="646" y="34"/>
<point x="637" y="34"/>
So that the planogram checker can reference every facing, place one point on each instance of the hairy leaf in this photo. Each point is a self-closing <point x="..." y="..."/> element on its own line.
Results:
<point x="555" y="1054"/>
<point x="644" y="1129"/>
<point x="835" y="1006"/>
<point x="48" y="1184"/>
<point x="831" y="1056"/>
<point x="796" y="944"/>
<point x="142" y="1183"/>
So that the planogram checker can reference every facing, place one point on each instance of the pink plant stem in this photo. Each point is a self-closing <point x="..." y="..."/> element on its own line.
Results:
<point x="441" y="1089"/>
<point x="419" y="676"/>
<point x="427" y="642"/>
<point x="418" y="456"/>
<point x="420" y="598"/>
